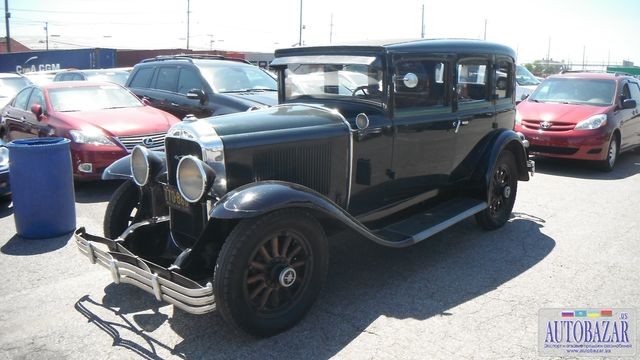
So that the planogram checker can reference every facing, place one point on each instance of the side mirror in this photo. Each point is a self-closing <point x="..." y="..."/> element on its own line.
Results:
<point x="626" y="104"/>
<point x="145" y="100"/>
<point x="36" y="109"/>
<point x="197" y="94"/>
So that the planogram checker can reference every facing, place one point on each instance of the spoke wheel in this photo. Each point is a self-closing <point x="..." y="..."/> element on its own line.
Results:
<point x="122" y="210"/>
<point x="501" y="193"/>
<point x="270" y="271"/>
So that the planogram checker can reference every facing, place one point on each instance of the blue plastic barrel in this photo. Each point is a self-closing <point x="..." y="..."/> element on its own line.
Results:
<point x="41" y="177"/>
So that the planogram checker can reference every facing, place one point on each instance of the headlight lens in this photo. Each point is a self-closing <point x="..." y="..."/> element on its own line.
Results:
<point x="4" y="156"/>
<point x="89" y="137"/>
<point x="194" y="178"/>
<point x="518" y="118"/>
<point x="140" y="165"/>
<point x="594" y="122"/>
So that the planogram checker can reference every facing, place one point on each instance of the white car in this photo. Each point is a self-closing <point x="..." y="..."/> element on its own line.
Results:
<point x="10" y="84"/>
<point x="526" y="82"/>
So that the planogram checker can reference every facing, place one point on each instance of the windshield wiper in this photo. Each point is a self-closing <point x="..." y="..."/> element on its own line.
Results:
<point x="249" y="90"/>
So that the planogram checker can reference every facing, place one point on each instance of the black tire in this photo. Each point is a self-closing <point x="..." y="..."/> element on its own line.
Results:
<point x="122" y="210"/>
<point x="253" y="292"/>
<point x="613" y="150"/>
<point x="502" y="192"/>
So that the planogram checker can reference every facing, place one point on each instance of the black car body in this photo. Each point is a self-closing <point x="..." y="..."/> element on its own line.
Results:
<point x="396" y="142"/>
<point x="202" y="85"/>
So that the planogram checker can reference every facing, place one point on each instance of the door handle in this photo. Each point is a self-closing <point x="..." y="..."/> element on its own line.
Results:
<point x="174" y="104"/>
<point x="459" y="123"/>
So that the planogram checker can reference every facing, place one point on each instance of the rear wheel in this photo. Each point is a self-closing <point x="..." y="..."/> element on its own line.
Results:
<point x="122" y="210"/>
<point x="609" y="162"/>
<point x="503" y="187"/>
<point x="270" y="271"/>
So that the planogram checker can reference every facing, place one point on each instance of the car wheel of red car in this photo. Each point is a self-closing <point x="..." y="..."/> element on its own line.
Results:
<point x="270" y="271"/>
<point x="502" y="193"/>
<point x="122" y="210"/>
<point x="612" y="155"/>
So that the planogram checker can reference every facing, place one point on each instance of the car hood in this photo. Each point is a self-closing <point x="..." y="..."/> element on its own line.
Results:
<point x="121" y="122"/>
<point x="567" y="113"/>
<point x="269" y="98"/>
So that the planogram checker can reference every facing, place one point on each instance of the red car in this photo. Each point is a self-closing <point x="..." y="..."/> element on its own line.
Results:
<point x="584" y="116"/>
<point x="104" y="121"/>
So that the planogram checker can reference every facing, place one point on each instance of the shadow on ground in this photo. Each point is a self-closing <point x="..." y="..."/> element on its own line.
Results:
<point x="95" y="191"/>
<point x="365" y="282"/>
<point x="18" y="246"/>
<point x="628" y="165"/>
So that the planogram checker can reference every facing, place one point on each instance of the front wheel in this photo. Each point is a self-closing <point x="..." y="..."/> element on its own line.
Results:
<point x="502" y="192"/>
<point x="270" y="271"/>
<point x="609" y="162"/>
<point x="123" y="210"/>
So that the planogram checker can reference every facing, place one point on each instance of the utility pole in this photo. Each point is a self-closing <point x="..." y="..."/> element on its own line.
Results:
<point x="46" y="29"/>
<point x="549" y="52"/>
<point x="300" y="39"/>
<point x="331" y="30"/>
<point x="188" y="15"/>
<point x="584" y="50"/>
<point x="422" y="33"/>
<point x="7" y="15"/>
<point x="485" y="29"/>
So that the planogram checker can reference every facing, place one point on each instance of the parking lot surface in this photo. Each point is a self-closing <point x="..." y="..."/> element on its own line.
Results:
<point x="573" y="241"/>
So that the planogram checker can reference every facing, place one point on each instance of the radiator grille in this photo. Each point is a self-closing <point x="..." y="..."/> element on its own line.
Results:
<point x="308" y="166"/>
<point x="548" y="126"/>
<point x="150" y="141"/>
<point x="552" y="150"/>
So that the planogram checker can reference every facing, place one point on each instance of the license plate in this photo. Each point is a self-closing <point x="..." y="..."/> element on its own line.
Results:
<point x="174" y="199"/>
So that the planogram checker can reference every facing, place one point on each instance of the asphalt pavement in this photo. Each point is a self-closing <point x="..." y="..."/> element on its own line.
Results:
<point x="573" y="241"/>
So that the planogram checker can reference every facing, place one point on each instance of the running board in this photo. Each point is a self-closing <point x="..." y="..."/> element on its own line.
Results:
<point x="424" y="225"/>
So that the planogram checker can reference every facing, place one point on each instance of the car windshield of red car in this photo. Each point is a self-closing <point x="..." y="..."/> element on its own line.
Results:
<point x="596" y="92"/>
<point x="87" y="98"/>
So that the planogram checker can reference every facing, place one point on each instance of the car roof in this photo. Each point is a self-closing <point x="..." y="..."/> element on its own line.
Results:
<point x="95" y="71"/>
<point x="590" y="75"/>
<point x="404" y="45"/>
<point x="75" y="84"/>
<point x="10" y="75"/>
<point x="196" y="59"/>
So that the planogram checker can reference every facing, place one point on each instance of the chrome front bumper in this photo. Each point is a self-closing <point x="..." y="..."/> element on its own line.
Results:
<point x="531" y="166"/>
<point x="164" y="284"/>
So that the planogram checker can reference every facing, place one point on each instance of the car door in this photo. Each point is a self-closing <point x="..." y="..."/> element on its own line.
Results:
<point x="165" y="88"/>
<point x="189" y="80"/>
<point x="140" y="83"/>
<point x="475" y="111"/>
<point x="634" y="122"/>
<point x="626" y="117"/>
<point x="424" y="124"/>
<point x="37" y="127"/>
<point x="15" y="116"/>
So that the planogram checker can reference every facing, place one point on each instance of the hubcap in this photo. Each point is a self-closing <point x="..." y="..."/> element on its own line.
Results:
<point x="287" y="277"/>
<point x="613" y="149"/>
<point x="506" y="192"/>
<point x="501" y="190"/>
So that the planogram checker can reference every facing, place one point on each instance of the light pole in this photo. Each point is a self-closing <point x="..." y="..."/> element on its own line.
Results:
<point x="300" y="39"/>
<point x="422" y="33"/>
<point x="7" y="15"/>
<point x="188" y="15"/>
<point x="46" y="30"/>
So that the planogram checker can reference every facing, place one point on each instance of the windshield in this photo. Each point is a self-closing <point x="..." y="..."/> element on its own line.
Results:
<point x="11" y="86"/>
<point x="87" y="98"/>
<point x="229" y="79"/>
<point x="115" y="77"/>
<point x="597" y="92"/>
<point x="334" y="81"/>
<point x="524" y="77"/>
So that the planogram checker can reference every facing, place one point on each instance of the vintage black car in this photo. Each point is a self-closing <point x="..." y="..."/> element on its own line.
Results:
<point x="395" y="142"/>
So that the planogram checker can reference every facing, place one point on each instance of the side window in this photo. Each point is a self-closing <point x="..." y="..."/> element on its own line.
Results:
<point x="167" y="79"/>
<point x="142" y="78"/>
<point x="76" y="77"/>
<point x="420" y="83"/>
<point x="626" y="93"/>
<point x="634" y="89"/>
<point x="504" y="78"/>
<point x="37" y="98"/>
<point x="20" y="101"/>
<point x="472" y="80"/>
<point x="188" y="80"/>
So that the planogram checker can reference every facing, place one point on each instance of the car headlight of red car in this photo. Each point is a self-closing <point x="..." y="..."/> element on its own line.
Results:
<point x="518" y="118"/>
<point x="90" y="137"/>
<point x="594" y="122"/>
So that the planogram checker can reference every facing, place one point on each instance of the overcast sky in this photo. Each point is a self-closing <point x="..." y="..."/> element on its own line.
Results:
<point x="607" y="31"/>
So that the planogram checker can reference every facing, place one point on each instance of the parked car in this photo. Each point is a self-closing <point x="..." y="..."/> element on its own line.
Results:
<point x="42" y="77"/>
<point x="424" y="141"/>
<point x="110" y="75"/>
<point x="202" y="85"/>
<point x="582" y="116"/>
<point x="10" y="84"/>
<point x="104" y="122"/>
<point x="526" y="83"/>
<point x="5" y="189"/>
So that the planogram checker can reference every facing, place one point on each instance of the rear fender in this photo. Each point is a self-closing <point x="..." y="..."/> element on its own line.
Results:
<point x="121" y="168"/>
<point x="504" y="140"/>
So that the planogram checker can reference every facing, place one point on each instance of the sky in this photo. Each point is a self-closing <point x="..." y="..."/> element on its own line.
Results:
<point x="602" y="31"/>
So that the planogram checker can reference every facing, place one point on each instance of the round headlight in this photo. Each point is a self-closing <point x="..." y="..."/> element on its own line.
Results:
<point x="140" y="165"/>
<point x="194" y="178"/>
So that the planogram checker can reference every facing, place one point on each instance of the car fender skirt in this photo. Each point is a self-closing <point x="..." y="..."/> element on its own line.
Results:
<point x="259" y="198"/>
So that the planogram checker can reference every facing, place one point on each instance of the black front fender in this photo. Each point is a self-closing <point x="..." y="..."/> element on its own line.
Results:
<point x="121" y="168"/>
